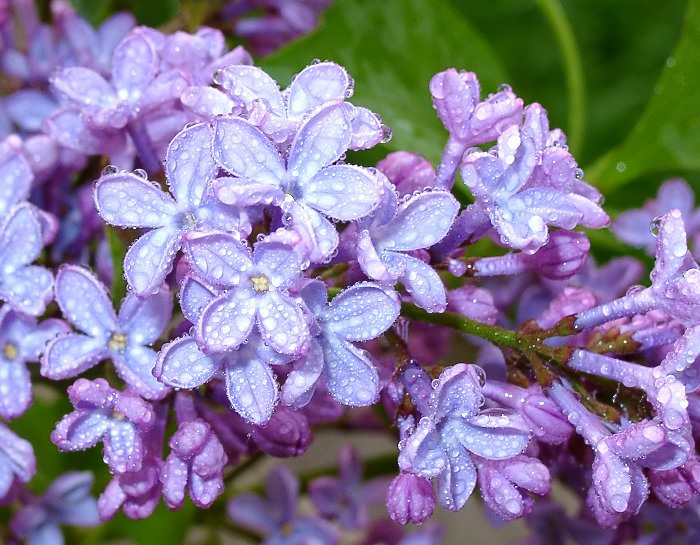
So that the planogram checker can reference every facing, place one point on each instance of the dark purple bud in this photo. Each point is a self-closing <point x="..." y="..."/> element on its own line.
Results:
<point x="410" y="499"/>
<point x="286" y="434"/>
<point x="408" y="171"/>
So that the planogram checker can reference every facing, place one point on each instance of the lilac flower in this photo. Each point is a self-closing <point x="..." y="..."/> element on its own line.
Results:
<point x="66" y="501"/>
<point x="104" y="414"/>
<point x="124" y="338"/>
<point x="472" y="302"/>
<point x="275" y="516"/>
<point x="619" y="485"/>
<point x="286" y="434"/>
<point x="500" y="481"/>
<point x="359" y="313"/>
<point x="408" y="171"/>
<point x="27" y="288"/>
<point x="410" y="498"/>
<point x="15" y="174"/>
<point x="675" y="283"/>
<point x="345" y="499"/>
<point x="456" y="98"/>
<point x="257" y="284"/>
<point x="196" y="462"/>
<point x="307" y="183"/>
<point x="17" y="461"/>
<point x="453" y="428"/>
<point x="128" y="200"/>
<point x="251" y="386"/>
<point x="633" y="226"/>
<point x="418" y="222"/>
<point x="21" y="341"/>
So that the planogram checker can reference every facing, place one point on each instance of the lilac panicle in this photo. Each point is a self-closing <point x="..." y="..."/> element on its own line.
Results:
<point x="456" y="99"/>
<point x="22" y="341"/>
<point x="453" y="429"/>
<point x="307" y="183"/>
<point x="66" y="501"/>
<point x="257" y="293"/>
<point x="195" y="462"/>
<point x="103" y="414"/>
<point x="124" y="338"/>
<point x="275" y="515"/>
<point x="396" y="228"/>
<point x="345" y="499"/>
<point x="633" y="226"/>
<point x="128" y="200"/>
<point x="675" y="282"/>
<point x="25" y="287"/>
<point x="410" y="498"/>
<point x="251" y="385"/>
<point x="17" y="461"/>
<point x="360" y="313"/>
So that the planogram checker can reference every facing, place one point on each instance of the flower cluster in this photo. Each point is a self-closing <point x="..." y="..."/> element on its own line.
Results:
<point x="273" y="288"/>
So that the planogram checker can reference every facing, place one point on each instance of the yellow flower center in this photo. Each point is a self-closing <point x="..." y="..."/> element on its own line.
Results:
<point x="117" y="341"/>
<point x="10" y="351"/>
<point x="260" y="283"/>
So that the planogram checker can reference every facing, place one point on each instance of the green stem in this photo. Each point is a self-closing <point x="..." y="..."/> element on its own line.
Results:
<point x="573" y="69"/>
<point x="118" y="250"/>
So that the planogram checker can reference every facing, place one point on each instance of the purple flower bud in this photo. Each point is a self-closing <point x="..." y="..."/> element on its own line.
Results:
<point x="286" y="434"/>
<point x="408" y="171"/>
<point x="410" y="498"/>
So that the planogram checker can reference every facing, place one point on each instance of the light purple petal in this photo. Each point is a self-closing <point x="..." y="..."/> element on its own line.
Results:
<point x="456" y="483"/>
<point x="84" y="301"/>
<point x="362" y="312"/>
<point x="281" y="323"/>
<point x="251" y="387"/>
<point x="494" y="434"/>
<point x="278" y="261"/>
<point x="245" y="84"/>
<point x="15" y="180"/>
<point x="671" y="246"/>
<point x="242" y="149"/>
<point x="149" y="260"/>
<point x="367" y="130"/>
<point x="422" y="453"/>
<point x="371" y="263"/>
<point x="207" y="102"/>
<point x="301" y="380"/>
<point x="80" y="430"/>
<point x="343" y="192"/>
<point x="315" y="85"/>
<point x="69" y="355"/>
<point x="174" y="476"/>
<point x="614" y="482"/>
<point x="243" y="192"/>
<point x="20" y="239"/>
<point x="420" y="222"/>
<point x="123" y="447"/>
<point x="350" y="375"/>
<point x="190" y="165"/>
<point x="318" y="233"/>
<point x="18" y="453"/>
<point x="29" y="290"/>
<point x="219" y="258"/>
<point x="70" y="500"/>
<point x="15" y="389"/>
<point x="143" y="320"/>
<point x="33" y="341"/>
<point x="127" y="200"/>
<point x="84" y="87"/>
<point x="252" y="512"/>
<point x="135" y="367"/>
<point x="227" y="321"/>
<point x="194" y="296"/>
<point x="134" y="65"/>
<point x="181" y="364"/>
<point x="320" y="141"/>
<point x="421" y="281"/>
<point x="204" y="491"/>
<point x="457" y="392"/>
<point x="632" y="227"/>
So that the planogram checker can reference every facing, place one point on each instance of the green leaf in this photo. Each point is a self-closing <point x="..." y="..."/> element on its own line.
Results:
<point x="154" y="12"/>
<point x="392" y="48"/>
<point x="668" y="134"/>
<point x="95" y="12"/>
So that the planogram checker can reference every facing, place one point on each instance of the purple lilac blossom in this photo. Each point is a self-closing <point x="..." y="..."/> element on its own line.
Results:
<point x="128" y="200"/>
<point x="275" y="516"/>
<point x="25" y="287"/>
<point x="410" y="498"/>
<point x="22" y="340"/>
<point x="66" y="501"/>
<point x="257" y="293"/>
<point x="104" y="414"/>
<point x="634" y="226"/>
<point x="17" y="462"/>
<point x="306" y="183"/>
<point x="125" y="338"/>
<point x="360" y="313"/>
<point x="453" y="428"/>
<point x="396" y="228"/>
<point x="15" y="174"/>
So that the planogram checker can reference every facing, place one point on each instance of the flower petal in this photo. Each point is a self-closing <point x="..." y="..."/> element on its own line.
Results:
<point x="174" y="476"/>
<point x="181" y="364"/>
<point x="127" y="200"/>
<point x="278" y="261"/>
<point x="149" y="260"/>
<point x="218" y="257"/>
<point x="29" y="289"/>
<point x="251" y="387"/>
<point x="135" y="367"/>
<point x="281" y="323"/>
<point x="190" y="165"/>
<point x="143" y="320"/>
<point x="246" y="84"/>
<point x="194" y="296"/>
<point x="242" y="149"/>
<point x="350" y="375"/>
<point x="342" y="192"/>
<point x="458" y="392"/>
<point x="227" y="321"/>
<point x="494" y="434"/>
<point x="80" y="430"/>
<point x="134" y="65"/>
<point x="69" y="355"/>
<point x="422" y="453"/>
<point x="318" y="233"/>
<point x="301" y="380"/>
<point x="456" y="484"/>
<point x="123" y="447"/>
<point x="84" y="301"/>
<point x="15" y="389"/>
<point x="15" y="179"/>
<point x="20" y="239"/>
<point x="244" y="192"/>
<point x="421" y="281"/>
<point x="320" y="141"/>
<point x="84" y="87"/>
<point x="362" y="312"/>
<point x="315" y="85"/>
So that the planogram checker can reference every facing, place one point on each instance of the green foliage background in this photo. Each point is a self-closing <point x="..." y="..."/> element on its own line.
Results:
<point x="621" y="78"/>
